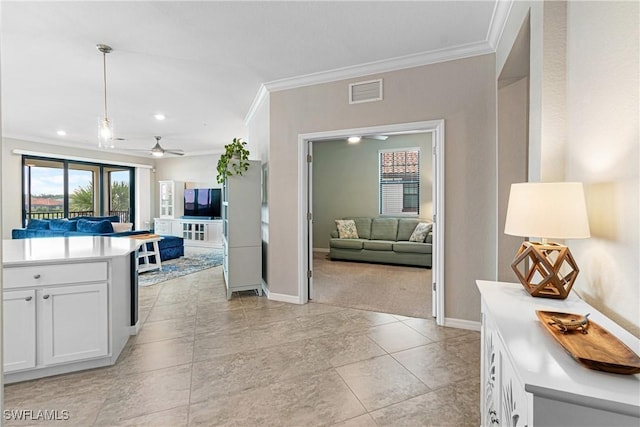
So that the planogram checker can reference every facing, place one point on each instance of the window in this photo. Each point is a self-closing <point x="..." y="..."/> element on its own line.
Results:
<point x="55" y="188"/>
<point x="400" y="182"/>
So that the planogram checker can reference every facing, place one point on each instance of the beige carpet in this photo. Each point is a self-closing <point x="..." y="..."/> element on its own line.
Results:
<point x="378" y="287"/>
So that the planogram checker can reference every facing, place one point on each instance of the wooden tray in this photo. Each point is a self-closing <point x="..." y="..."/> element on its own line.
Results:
<point x="597" y="349"/>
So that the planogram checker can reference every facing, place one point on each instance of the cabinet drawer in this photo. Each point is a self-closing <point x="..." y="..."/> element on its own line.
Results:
<point x="44" y="275"/>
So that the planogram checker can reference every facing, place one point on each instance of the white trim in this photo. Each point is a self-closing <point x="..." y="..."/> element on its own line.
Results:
<point x="386" y="65"/>
<point x="79" y="159"/>
<point x="439" y="215"/>
<point x="498" y="21"/>
<point x="133" y="330"/>
<point x="434" y="126"/>
<point x="292" y="299"/>
<point x="470" y="325"/>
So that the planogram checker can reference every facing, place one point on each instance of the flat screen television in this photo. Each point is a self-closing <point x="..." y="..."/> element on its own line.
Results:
<point x="202" y="202"/>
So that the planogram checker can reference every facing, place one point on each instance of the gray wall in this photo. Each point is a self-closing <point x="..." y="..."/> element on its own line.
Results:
<point x="345" y="180"/>
<point x="461" y="92"/>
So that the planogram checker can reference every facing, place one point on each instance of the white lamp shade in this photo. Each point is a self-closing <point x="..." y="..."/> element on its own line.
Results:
<point x="547" y="210"/>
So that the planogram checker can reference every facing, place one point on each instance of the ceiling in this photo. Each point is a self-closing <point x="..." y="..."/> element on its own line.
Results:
<point x="202" y="63"/>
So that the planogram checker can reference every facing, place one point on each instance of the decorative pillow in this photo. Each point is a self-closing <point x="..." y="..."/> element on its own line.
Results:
<point x="62" y="225"/>
<point x="97" y="227"/>
<point x="38" y="224"/>
<point x="119" y="227"/>
<point x="420" y="232"/>
<point x="347" y="228"/>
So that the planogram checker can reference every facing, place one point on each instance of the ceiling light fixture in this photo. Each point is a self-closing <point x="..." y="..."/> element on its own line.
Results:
<point x="354" y="139"/>
<point x="105" y="126"/>
<point x="159" y="116"/>
<point x="61" y="133"/>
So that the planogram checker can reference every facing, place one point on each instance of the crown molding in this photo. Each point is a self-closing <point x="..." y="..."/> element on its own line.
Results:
<point x="498" y="21"/>
<point x="386" y="65"/>
<point x="260" y="97"/>
<point x="496" y="27"/>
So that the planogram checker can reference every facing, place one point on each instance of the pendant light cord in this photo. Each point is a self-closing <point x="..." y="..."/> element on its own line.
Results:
<point x="104" y="62"/>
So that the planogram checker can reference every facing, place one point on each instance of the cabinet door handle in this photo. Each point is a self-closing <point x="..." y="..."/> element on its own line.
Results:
<point x="36" y="276"/>
<point x="28" y="298"/>
<point x="45" y="296"/>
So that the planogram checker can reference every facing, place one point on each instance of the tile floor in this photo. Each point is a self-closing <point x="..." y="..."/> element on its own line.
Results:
<point x="202" y="360"/>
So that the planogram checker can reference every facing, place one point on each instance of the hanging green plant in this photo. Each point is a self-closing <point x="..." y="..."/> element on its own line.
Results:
<point x="234" y="160"/>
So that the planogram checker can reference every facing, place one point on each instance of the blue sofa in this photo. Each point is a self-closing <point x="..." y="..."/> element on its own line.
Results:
<point x="170" y="246"/>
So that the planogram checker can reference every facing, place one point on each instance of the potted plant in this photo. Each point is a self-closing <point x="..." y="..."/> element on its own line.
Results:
<point x="234" y="160"/>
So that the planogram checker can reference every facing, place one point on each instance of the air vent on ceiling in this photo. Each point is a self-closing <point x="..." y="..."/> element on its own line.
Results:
<point x="368" y="91"/>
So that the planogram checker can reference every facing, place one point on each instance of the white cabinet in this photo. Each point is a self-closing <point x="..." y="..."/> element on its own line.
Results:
<point x="19" y="334"/>
<point x="241" y="234"/>
<point x="504" y="402"/>
<point x="171" y="199"/>
<point x="195" y="232"/>
<point x="527" y="379"/>
<point x="207" y="233"/>
<point x="56" y="315"/>
<point x="72" y="323"/>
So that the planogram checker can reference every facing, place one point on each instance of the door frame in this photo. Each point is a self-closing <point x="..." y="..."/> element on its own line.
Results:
<point x="305" y="252"/>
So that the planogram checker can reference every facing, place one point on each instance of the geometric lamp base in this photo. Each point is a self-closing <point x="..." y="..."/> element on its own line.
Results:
<point x="539" y="268"/>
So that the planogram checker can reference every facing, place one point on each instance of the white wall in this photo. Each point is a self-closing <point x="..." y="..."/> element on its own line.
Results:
<point x="603" y="151"/>
<point x="461" y="92"/>
<point x="194" y="171"/>
<point x="589" y="134"/>
<point x="12" y="173"/>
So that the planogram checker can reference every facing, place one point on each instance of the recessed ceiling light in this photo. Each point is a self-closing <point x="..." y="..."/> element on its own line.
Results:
<point x="354" y="139"/>
<point x="61" y="133"/>
<point x="159" y="116"/>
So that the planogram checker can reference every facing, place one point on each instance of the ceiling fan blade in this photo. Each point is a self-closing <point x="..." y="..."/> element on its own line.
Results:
<point x="378" y="137"/>
<point x="176" y="152"/>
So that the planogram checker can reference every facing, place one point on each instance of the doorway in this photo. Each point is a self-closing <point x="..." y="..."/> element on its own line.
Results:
<point x="436" y="130"/>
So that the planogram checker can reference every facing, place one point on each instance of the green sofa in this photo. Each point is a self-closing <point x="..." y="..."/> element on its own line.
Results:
<point x="383" y="240"/>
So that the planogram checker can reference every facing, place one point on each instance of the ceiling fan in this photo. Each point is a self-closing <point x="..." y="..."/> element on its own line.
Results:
<point x="158" y="151"/>
<point x="357" y="138"/>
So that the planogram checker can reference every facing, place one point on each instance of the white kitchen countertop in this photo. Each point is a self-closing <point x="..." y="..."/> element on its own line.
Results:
<point x="65" y="249"/>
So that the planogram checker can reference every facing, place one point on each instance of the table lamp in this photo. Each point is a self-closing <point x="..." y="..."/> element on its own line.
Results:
<point x="546" y="210"/>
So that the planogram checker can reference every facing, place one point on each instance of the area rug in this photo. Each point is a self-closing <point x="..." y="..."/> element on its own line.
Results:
<point x="182" y="266"/>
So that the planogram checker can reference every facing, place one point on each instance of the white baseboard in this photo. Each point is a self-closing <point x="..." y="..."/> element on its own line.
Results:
<point x="133" y="330"/>
<point x="292" y="299"/>
<point x="323" y="250"/>
<point x="462" y="324"/>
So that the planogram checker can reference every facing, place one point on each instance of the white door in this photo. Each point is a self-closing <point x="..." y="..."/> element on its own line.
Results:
<point x="19" y="330"/>
<point x="73" y="323"/>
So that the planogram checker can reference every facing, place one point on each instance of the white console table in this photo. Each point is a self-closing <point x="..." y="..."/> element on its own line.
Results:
<point x="527" y="379"/>
<point x="66" y="304"/>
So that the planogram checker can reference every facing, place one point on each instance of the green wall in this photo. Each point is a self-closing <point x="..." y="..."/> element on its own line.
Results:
<point x="345" y="180"/>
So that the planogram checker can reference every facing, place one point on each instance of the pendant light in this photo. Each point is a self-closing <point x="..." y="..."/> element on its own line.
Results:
<point x="105" y="126"/>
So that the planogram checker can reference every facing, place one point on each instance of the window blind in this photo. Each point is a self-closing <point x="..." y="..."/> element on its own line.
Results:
<point x="399" y="181"/>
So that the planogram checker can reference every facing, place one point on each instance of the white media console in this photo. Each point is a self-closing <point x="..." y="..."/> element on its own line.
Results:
<point x="195" y="232"/>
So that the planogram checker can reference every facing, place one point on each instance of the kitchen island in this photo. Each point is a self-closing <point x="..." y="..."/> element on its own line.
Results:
<point x="69" y="303"/>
